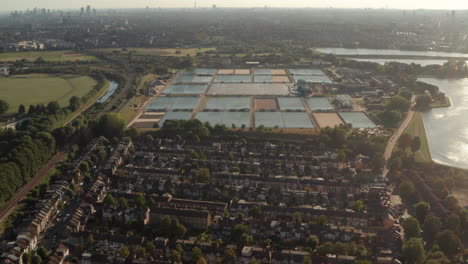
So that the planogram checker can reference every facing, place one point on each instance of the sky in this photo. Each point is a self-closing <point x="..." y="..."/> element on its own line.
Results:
<point x="7" y="5"/>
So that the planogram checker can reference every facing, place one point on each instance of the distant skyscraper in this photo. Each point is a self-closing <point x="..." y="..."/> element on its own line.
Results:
<point x="214" y="6"/>
<point x="88" y="10"/>
<point x="82" y="11"/>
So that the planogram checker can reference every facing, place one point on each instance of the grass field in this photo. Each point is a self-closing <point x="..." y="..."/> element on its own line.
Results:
<point x="447" y="103"/>
<point x="59" y="55"/>
<point x="43" y="88"/>
<point x="161" y="52"/>
<point x="130" y="111"/>
<point x="416" y="128"/>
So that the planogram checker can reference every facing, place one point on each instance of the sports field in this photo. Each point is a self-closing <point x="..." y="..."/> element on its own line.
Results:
<point x="60" y="55"/>
<point x="42" y="89"/>
<point x="328" y="119"/>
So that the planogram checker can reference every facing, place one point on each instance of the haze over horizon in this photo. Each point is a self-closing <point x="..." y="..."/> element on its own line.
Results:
<point x="393" y="4"/>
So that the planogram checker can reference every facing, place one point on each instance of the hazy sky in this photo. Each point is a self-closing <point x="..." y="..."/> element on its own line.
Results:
<point x="400" y="4"/>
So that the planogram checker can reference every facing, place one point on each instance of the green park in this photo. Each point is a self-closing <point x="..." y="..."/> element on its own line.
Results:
<point x="43" y="88"/>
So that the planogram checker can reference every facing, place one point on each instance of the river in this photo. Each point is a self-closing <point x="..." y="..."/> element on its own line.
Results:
<point x="112" y="88"/>
<point x="447" y="128"/>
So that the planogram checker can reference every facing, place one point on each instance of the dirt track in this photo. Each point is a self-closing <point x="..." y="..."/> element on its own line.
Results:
<point x="394" y="139"/>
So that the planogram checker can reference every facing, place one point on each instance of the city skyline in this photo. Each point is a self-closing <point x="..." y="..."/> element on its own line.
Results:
<point x="396" y="4"/>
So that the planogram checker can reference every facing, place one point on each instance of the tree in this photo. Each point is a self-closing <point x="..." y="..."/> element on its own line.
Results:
<point x="230" y="256"/>
<point x="111" y="126"/>
<point x="358" y="206"/>
<point x="176" y="229"/>
<point x="74" y="103"/>
<point x="140" y="252"/>
<point x="432" y="225"/>
<point x="448" y="242"/>
<point x="415" y="144"/>
<point x="452" y="203"/>
<point x="453" y="223"/>
<point x="53" y="107"/>
<point x="36" y="260"/>
<point x="203" y="175"/>
<point x="246" y="239"/>
<point x="423" y="102"/>
<point x="378" y="162"/>
<point x="151" y="202"/>
<point x="389" y="119"/>
<point x="123" y="203"/>
<point x="340" y="248"/>
<point x="84" y="167"/>
<point x="90" y="240"/>
<point x="406" y="94"/>
<point x="133" y="133"/>
<point x="42" y="252"/>
<point x="238" y="231"/>
<point x="3" y="107"/>
<point x="21" y="109"/>
<point x="436" y="256"/>
<point x="255" y="211"/>
<point x="39" y="61"/>
<point x="398" y="103"/>
<point x="175" y="256"/>
<point x="27" y="258"/>
<point x="124" y="252"/>
<point x="297" y="217"/>
<point x="413" y="251"/>
<point x="140" y="201"/>
<point x="407" y="191"/>
<point x="312" y="242"/>
<point x="411" y="227"/>
<point x="323" y="220"/>
<point x="421" y="210"/>
<point x="307" y="260"/>
<point x="194" y="155"/>
<point x="405" y="141"/>
<point x="196" y="254"/>
<point x="32" y="109"/>
<point x="110" y="200"/>
<point x="254" y="261"/>
<point x="326" y="248"/>
<point x="396" y="163"/>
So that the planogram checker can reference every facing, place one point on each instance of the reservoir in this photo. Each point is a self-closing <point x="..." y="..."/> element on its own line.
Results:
<point x="447" y="128"/>
<point x="407" y="61"/>
<point x="112" y="88"/>
<point x="383" y="52"/>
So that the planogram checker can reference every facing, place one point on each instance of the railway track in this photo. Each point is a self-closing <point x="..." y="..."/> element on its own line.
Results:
<point x="6" y="209"/>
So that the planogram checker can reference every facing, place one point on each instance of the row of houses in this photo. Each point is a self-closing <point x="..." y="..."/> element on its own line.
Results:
<point x="41" y="217"/>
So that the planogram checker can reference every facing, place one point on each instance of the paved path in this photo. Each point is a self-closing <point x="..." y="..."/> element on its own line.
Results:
<point x="23" y="191"/>
<point x="394" y="139"/>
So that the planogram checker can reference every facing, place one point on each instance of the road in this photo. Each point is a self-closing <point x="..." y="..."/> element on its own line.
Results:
<point x="394" y="139"/>
<point x="23" y="191"/>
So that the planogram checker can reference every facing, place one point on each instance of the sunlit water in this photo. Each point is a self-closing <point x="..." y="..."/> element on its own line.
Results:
<point x="407" y="61"/>
<point x="389" y="52"/>
<point x="447" y="128"/>
<point x="112" y="88"/>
